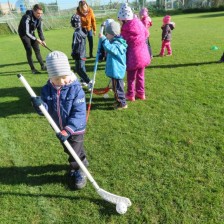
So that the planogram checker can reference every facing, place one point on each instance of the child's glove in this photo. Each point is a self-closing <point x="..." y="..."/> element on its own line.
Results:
<point x="36" y="101"/>
<point x="63" y="135"/>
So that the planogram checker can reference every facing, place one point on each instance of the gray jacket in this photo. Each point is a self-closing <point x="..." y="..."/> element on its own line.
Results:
<point x="166" y="34"/>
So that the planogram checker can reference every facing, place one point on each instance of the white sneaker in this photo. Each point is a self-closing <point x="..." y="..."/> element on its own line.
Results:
<point x="90" y="85"/>
<point x="83" y="84"/>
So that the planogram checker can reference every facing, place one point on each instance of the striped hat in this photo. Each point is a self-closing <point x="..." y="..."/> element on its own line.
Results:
<point x="58" y="64"/>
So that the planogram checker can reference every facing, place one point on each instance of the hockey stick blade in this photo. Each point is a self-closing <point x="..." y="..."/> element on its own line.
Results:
<point x="113" y="198"/>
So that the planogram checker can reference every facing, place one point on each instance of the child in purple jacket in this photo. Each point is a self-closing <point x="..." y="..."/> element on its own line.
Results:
<point x="135" y="34"/>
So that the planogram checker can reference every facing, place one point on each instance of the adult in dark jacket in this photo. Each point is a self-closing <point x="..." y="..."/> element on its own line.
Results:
<point x="28" y="24"/>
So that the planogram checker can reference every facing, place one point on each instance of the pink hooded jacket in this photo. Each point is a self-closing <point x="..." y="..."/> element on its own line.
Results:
<point x="147" y="21"/>
<point x="135" y="34"/>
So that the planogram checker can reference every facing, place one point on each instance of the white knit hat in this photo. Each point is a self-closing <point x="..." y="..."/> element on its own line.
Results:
<point x="58" y="64"/>
<point x="107" y="22"/>
<point x="125" y="12"/>
<point x="113" y="28"/>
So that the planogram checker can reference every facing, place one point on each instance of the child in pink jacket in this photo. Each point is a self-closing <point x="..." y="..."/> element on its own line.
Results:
<point x="147" y="22"/>
<point x="135" y="34"/>
<point x="167" y="28"/>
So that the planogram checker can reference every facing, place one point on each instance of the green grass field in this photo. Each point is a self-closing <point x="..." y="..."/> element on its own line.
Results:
<point x="165" y="153"/>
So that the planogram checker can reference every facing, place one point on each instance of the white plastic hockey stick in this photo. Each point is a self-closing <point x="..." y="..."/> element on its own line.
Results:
<point x="94" y="74"/>
<point x="115" y="199"/>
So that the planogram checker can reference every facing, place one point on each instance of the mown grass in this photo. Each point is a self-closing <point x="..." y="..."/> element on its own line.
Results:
<point x="166" y="153"/>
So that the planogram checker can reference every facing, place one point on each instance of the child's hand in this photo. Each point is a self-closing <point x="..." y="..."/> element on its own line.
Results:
<point x="36" y="101"/>
<point x="100" y="35"/>
<point x="63" y="135"/>
<point x="173" y="23"/>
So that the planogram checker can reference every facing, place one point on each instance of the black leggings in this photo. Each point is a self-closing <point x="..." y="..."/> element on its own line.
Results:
<point x="28" y="45"/>
<point x="76" y="142"/>
<point x="90" y="40"/>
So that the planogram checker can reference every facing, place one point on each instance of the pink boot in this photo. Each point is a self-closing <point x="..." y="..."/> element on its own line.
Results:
<point x="141" y="97"/>
<point x="129" y="98"/>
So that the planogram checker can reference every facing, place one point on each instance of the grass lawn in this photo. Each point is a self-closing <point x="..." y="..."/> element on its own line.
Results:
<point x="165" y="153"/>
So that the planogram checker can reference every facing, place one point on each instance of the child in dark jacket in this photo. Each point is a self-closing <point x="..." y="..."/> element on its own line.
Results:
<point x="115" y="47"/>
<point x="64" y="100"/>
<point x="167" y="27"/>
<point x="79" y="51"/>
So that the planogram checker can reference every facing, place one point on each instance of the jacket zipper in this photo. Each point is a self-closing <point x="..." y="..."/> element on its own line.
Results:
<point x="58" y="108"/>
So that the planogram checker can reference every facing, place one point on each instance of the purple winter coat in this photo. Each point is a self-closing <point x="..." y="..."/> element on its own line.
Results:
<point x="135" y="34"/>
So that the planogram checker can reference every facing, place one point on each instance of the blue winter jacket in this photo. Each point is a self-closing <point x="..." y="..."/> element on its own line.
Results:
<point x="79" y="44"/>
<point x="67" y="106"/>
<point x="116" y="57"/>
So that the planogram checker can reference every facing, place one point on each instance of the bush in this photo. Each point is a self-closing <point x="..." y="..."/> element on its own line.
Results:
<point x="155" y="11"/>
<point x="4" y="29"/>
<point x="199" y="10"/>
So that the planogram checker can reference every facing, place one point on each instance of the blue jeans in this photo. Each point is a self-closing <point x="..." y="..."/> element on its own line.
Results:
<point x="118" y="89"/>
<point x="90" y="40"/>
<point x="81" y="70"/>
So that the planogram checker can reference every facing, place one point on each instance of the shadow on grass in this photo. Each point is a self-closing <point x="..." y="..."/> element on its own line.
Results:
<point x="40" y="175"/>
<point x="90" y="68"/>
<point x="106" y="208"/>
<point x="13" y="73"/>
<point x="14" y="64"/>
<point x="100" y="103"/>
<point x="18" y="101"/>
<point x="211" y="15"/>
<point x="183" y="65"/>
<point x="33" y="176"/>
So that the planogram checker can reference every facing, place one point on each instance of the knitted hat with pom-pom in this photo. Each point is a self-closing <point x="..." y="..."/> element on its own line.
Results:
<point x="125" y="12"/>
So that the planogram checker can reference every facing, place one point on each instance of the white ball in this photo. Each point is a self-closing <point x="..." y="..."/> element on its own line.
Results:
<point x="121" y="208"/>
<point x="105" y="96"/>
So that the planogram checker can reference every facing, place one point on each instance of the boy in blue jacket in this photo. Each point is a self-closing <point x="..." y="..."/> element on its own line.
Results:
<point x="64" y="100"/>
<point x="79" y="50"/>
<point x="116" y="48"/>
